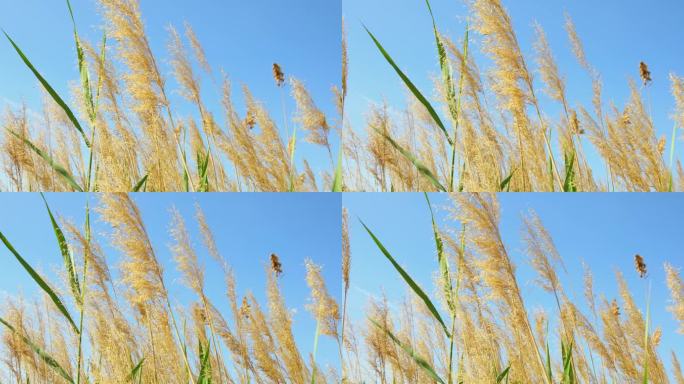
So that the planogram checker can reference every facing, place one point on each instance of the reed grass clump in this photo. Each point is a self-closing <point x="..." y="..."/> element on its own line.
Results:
<point x="486" y="128"/>
<point x="100" y="323"/>
<point x="119" y="131"/>
<point x="476" y="325"/>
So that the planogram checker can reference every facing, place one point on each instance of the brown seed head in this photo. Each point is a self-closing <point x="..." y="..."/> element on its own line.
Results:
<point x="250" y="120"/>
<point x="278" y="75"/>
<point x="276" y="265"/>
<point x="645" y="73"/>
<point x="615" y="308"/>
<point x="640" y="265"/>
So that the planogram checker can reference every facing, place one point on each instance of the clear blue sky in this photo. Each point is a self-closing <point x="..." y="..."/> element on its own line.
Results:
<point x="617" y="35"/>
<point x="248" y="227"/>
<point x="242" y="37"/>
<point x="604" y="230"/>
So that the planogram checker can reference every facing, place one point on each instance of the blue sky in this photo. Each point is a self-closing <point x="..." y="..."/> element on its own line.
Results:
<point x="248" y="227"/>
<point x="603" y="230"/>
<point x="617" y="35"/>
<point x="242" y="37"/>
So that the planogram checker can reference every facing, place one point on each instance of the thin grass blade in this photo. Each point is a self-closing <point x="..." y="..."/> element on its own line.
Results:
<point x="414" y="286"/>
<point x="49" y="90"/>
<point x="416" y="358"/>
<point x="66" y="255"/>
<point x="442" y="260"/>
<point x="568" y="369"/>
<point x="503" y="375"/>
<point x="423" y="169"/>
<point x="205" y="365"/>
<point x="337" y="181"/>
<point x="54" y="165"/>
<point x="49" y="360"/>
<point x="506" y="183"/>
<point x="135" y="372"/>
<point x="569" y="184"/>
<point x="39" y="280"/>
<point x="411" y="87"/>
<point x="142" y="184"/>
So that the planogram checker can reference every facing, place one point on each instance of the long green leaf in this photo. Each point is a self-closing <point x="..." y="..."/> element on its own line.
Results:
<point x="39" y="280"/>
<point x="442" y="260"/>
<point x="54" y="165"/>
<point x="423" y="169"/>
<point x="49" y="360"/>
<point x="414" y="286"/>
<point x="416" y="358"/>
<point x="142" y="184"/>
<point x="135" y="372"/>
<point x="66" y="255"/>
<point x="49" y="89"/>
<point x="411" y="87"/>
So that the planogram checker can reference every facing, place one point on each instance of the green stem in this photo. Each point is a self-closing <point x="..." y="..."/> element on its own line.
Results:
<point x="315" y="348"/>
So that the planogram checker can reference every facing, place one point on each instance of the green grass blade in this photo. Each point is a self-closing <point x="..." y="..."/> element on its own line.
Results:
<point x="506" y="183"/>
<point x="414" y="286"/>
<point x="569" y="184"/>
<point x="442" y="260"/>
<point x="568" y="369"/>
<point x="503" y="375"/>
<point x="202" y="171"/>
<point x="135" y="372"/>
<point x="424" y="170"/>
<point x="39" y="280"/>
<point x="49" y="360"/>
<point x="338" y="184"/>
<point x="66" y="255"/>
<point x="549" y="370"/>
<point x="54" y="165"/>
<point x="416" y="358"/>
<point x="142" y="184"/>
<point x="411" y="87"/>
<point x="49" y="89"/>
<point x="205" y="365"/>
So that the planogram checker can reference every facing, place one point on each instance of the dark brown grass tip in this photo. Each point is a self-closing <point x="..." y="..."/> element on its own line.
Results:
<point x="276" y="266"/>
<point x="615" y="308"/>
<point x="645" y="73"/>
<point x="278" y="75"/>
<point x="640" y="266"/>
